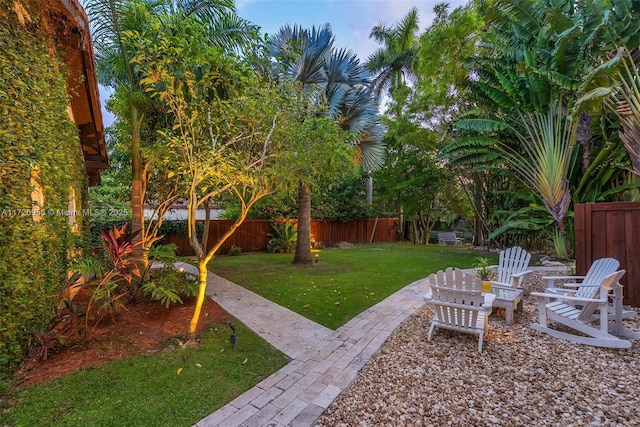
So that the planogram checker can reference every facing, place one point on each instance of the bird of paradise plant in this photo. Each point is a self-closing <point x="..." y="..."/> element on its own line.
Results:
<point x="545" y="158"/>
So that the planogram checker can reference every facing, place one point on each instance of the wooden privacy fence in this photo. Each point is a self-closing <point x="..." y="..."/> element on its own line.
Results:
<point x="251" y="236"/>
<point x="610" y="230"/>
<point x="372" y="230"/>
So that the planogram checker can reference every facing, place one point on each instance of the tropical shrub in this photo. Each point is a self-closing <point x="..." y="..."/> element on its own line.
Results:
<point x="98" y="224"/>
<point x="167" y="284"/>
<point x="344" y="200"/>
<point x="111" y="290"/>
<point x="235" y="250"/>
<point x="284" y="237"/>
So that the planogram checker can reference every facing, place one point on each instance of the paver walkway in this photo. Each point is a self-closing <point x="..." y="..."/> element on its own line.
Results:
<point x="323" y="362"/>
<point x="284" y="329"/>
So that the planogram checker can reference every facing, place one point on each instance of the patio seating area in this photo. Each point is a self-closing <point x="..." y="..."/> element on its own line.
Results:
<point x="522" y="378"/>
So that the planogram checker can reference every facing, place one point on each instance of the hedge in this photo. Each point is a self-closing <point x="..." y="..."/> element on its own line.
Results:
<point x="36" y="133"/>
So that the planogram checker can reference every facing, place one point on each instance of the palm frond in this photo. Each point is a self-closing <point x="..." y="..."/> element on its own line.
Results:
<point x="396" y="60"/>
<point x="471" y="143"/>
<point x="627" y="108"/>
<point x="302" y="52"/>
<point x="497" y="95"/>
<point x="477" y="158"/>
<point x="111" y="70"/>
<point x="481" y="125"/>
<point x="598" y="94"/>
<point x="358" y="110"/>
<point x="343" y="66"/>
<point x="381" y="34"/>
<point x="373" y="155"/>
<point x="406" y="30"/>
<point x="377" y="60"/>
<point x="106" y="18"/>
<point x="382" y="82"/>
<point x="333" y="97"/>
<point x="470" y="150"/>
<point x="209" y="11"/>
<point x="601" y="75"/>
<point x="231" y="32"/>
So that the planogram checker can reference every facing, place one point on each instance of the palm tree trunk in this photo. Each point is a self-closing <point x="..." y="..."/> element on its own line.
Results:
<point x="630" y="136"/>
<point x="479" y="205"/>
<point x="568" y="247"/>
<point x="303" y="246"/>
<point x="583" y="137"/>
<point x="137" y="213"/>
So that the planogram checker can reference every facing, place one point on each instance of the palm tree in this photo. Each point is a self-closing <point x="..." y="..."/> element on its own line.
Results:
<point x="393" y="64"/>
<point x="336" y="82"/>
<point x="396" y="61"/>
<point x="303" y="55"/>
<point x="110" y="19"/>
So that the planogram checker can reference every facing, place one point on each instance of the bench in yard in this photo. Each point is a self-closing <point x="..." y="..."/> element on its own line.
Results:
<point x="449" y="238"/>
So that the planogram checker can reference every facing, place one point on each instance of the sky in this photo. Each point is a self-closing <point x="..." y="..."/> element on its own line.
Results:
<point x="351" y="20"/>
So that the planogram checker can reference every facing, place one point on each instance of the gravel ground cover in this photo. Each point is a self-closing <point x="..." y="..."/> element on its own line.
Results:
<point x="522" y="378"/>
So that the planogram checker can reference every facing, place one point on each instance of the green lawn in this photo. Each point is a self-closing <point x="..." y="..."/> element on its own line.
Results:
<point x="344" y="282"/>
<point x="147" y="390"/>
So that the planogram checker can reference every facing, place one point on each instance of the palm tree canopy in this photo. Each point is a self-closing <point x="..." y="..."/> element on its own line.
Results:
<point x="336" y="82"/>
<point x="110" y="19"/>
<point x="302" y="52"/>
<point x="395" y="62"/>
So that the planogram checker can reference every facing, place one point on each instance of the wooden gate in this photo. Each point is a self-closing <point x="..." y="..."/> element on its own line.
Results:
<point x="610" y="230"/>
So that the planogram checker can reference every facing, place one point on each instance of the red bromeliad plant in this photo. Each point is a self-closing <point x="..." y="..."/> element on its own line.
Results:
<point x="119" y="281"/>
<point x="107" y="290"/>
<point x="118" y="245"/>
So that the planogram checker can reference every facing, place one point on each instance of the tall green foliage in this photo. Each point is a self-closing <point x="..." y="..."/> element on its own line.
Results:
<point x="413" y="179"/>
<point x="544" y="164"/>
<point x="229" y="126"/>
<point x="110" y="21"/>
<point x="536" y="54"/>
<point x="35" y="133"/>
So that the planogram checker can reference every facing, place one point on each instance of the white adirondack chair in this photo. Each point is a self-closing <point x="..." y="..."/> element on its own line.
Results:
<point x="459" y="303"/>
<point x="590" y="317"/>
<point x="586" y="286"/>
<point x="514" y="264"/>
